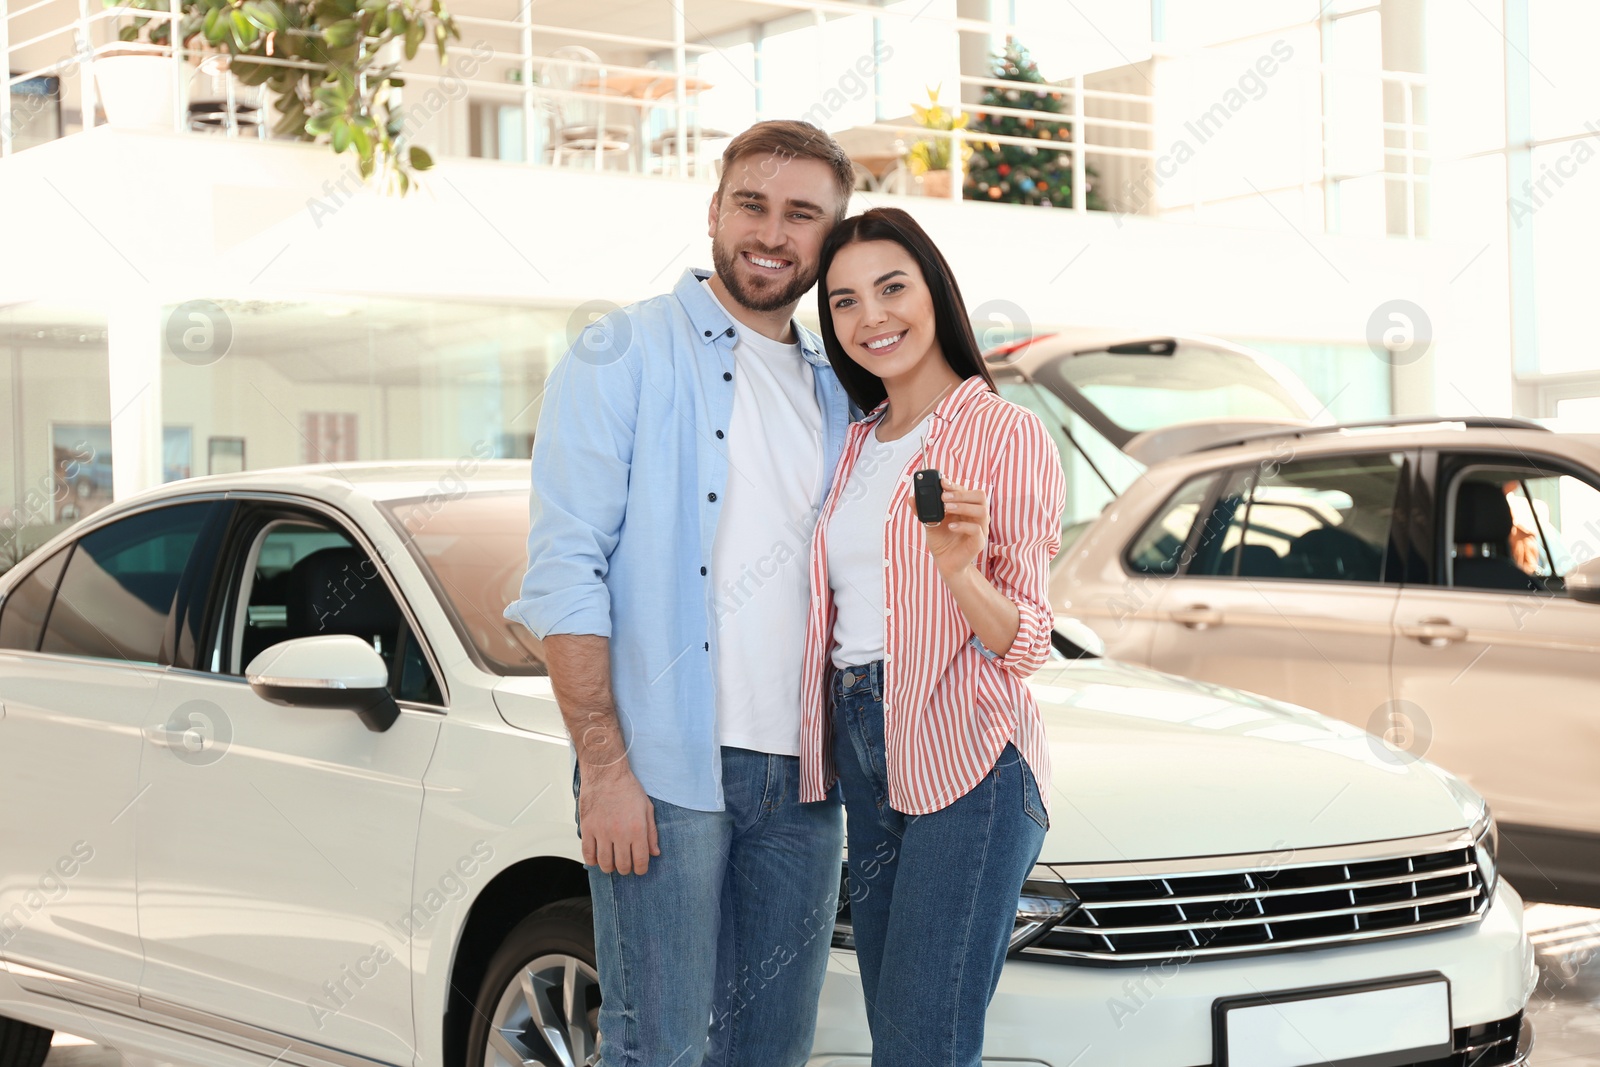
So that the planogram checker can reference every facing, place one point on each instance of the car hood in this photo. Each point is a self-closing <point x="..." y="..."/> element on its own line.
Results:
<point x="1147" y="766"/>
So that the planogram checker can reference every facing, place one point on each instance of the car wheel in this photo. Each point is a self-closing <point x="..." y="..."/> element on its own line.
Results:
<point x="22" y="1044"/>
<point x="540" y="999"/>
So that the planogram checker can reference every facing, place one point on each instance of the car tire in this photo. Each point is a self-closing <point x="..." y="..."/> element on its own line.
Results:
<point x="22" y="1044"/>
<point x="540" y="997"/>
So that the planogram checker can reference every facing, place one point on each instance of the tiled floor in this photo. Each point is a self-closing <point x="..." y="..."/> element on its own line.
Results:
<point x="1565" y="1009"/>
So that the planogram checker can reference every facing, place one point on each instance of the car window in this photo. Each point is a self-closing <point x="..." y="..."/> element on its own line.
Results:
<point x="1519" y="529"/>
<point x="472" y="548"/>
<point x="303" y="577"/>
<point x="1323" y="519"/>
<point x="1159" y="548"/>
<point x="28" y="604"/>
<point x="115" y="596"/>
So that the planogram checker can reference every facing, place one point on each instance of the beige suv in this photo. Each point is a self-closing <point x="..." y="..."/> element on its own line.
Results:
<point x="1435" y="582"/>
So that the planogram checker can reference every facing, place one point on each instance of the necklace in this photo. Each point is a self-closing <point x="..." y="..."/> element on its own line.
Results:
<point x="921" y="414"/>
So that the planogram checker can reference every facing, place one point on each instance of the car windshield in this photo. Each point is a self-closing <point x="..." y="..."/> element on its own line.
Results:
<point x="1145" y="390"/>
<point x="473" y="551"/>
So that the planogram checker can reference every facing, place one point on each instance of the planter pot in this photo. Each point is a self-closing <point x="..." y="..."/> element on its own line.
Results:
<point x="936" y="183"/>
<point x="136" y="90"/>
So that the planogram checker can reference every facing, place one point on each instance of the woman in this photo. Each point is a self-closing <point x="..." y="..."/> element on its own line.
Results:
<point x="919" y="641"/>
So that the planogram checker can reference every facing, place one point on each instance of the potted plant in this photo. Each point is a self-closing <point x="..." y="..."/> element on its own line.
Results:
<point x="329" y="64"/>
<point x="929" y="160"/>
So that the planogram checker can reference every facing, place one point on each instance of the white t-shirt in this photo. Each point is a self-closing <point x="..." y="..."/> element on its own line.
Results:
<point x="760" y="558"/>
<point x="855" y="544"/>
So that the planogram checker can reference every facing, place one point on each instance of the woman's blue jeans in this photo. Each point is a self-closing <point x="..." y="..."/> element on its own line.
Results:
<point x="933" y="898"/>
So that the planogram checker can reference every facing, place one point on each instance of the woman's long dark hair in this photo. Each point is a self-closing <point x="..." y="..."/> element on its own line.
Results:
<point x="951" y="326"/>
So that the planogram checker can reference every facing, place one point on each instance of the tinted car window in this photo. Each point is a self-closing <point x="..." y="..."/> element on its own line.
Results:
<point x="117" y="591"/>
<point x="1160" y="545"/>
<point x="27" y="605"/>
<point x="1520" y="529"/>
<point x="1324" y="519"/>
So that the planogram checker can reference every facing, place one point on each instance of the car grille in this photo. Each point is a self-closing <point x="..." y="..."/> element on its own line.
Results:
<point x="1262" y="909"/>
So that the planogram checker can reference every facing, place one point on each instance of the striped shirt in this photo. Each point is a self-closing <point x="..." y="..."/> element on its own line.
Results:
<point x="949" y="705"/>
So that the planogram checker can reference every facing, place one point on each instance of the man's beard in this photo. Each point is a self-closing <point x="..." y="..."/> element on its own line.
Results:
<point x="725" y="261"/>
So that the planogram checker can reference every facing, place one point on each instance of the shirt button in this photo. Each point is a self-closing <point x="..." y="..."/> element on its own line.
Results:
<point x="730" y="331"/>
<point x="711" y="497"/>
<point x="708" y="646"/>
<point x="719" y="435"/>
<point x="727" y="375"/>
<point x="702" y="570"/>
<point x="708" y="333"/>
<point x="885" y="563"/>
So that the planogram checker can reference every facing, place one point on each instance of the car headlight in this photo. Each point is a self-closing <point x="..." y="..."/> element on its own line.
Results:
<point x="1045" y="901"/>
<point x="1486" y="851"/>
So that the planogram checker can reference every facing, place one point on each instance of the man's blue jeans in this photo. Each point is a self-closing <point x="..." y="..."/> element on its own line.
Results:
<point x="731" y="925"/>
<point x="933" y="898"/>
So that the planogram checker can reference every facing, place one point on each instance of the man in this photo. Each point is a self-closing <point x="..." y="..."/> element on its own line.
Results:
<point x="684" y="448"/>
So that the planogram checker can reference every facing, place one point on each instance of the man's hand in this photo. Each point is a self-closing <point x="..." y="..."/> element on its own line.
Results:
<point x="617" y="818"/>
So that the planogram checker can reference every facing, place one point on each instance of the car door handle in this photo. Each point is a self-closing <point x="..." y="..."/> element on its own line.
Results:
<point x="1197" y="616"/>
<point x="188" y="739"/>
<point x="1435" y="633"/>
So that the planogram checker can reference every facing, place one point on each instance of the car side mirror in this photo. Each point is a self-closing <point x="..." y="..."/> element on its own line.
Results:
<point x="330" y="671"/>
<point x="1583" y="582"/>
<point x="1078" y="639"/>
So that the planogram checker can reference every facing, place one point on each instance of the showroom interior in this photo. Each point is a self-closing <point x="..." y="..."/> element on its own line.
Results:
<point x="1392" y="203"/>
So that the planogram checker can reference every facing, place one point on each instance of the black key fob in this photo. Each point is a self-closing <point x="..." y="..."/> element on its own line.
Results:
<point x="930" y="495"/>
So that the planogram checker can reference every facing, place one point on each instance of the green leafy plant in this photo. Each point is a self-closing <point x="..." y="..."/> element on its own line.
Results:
<point x="344" y="93"/>
<point x="934" y="153"/>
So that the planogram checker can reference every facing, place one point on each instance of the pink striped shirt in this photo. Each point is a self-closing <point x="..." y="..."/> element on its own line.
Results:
<point x="948" y="709"/>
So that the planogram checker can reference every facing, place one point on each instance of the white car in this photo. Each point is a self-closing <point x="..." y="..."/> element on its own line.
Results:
<point x="279" y="785"/>
<point x="1434" y="581"/>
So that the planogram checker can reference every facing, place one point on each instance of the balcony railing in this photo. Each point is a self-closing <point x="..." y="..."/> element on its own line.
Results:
<point x="638" y="93"/>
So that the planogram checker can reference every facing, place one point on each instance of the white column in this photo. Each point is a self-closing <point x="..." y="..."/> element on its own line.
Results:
<point x="133" y="343"/>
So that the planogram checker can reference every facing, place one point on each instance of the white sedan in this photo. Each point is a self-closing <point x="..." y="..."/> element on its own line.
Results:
<point x="278" y="784"/>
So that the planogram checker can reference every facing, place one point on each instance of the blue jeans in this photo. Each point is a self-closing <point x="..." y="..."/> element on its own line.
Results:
<point x="731" y="924"/>
<point x="933" y="898"/>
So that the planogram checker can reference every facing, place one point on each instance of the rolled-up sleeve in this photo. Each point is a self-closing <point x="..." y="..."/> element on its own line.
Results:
<point x="582" y="453"/>
<point x="1025" y="505"/>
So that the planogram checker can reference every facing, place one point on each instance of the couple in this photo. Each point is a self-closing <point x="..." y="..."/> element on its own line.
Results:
<point x="725" y="674"/>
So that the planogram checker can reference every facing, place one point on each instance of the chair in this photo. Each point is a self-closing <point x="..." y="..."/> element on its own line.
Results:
<point x="582" y="124"/>
<point x="665" y="147"/>
<point x="1329" y="553"/>
<point x="1483" y="521"/>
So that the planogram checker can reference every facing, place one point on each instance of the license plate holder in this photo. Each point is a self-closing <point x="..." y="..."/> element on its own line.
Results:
<point x="1382" y="1022"/>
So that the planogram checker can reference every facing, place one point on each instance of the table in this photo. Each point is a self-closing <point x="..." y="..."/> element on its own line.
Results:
<point x="651" y="87"/>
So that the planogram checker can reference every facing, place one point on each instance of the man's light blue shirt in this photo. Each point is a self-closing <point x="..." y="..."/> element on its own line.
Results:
<point x="630" y="467"/>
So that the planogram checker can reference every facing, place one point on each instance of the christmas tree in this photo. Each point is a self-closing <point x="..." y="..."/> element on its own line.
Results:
<point x="1022" y="174"/>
